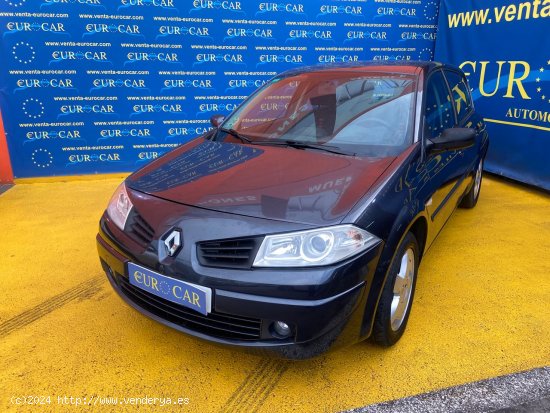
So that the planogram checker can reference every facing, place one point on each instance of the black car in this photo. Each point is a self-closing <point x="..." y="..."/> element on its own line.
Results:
<point x="298" y="222"/>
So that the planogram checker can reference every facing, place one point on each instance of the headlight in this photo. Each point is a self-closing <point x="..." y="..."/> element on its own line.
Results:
<point x="120" y="206"/>
<point x="316" y="247"/>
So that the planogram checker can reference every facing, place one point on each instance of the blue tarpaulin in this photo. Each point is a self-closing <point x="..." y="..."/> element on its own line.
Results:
<point x="504" y="48"/>
<point x="102" y="86"/>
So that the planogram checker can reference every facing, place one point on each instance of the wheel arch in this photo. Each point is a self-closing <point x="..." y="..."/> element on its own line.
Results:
<point x="419" y="227"/>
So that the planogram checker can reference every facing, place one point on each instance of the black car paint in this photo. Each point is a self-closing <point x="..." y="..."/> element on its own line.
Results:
<point x="417" y="191"/>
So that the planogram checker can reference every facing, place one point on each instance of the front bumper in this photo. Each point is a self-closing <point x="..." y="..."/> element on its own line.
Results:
<point x="246" y="320"/>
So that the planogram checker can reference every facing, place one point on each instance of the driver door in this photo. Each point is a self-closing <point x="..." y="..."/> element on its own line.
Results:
<point x="443" y="167"/>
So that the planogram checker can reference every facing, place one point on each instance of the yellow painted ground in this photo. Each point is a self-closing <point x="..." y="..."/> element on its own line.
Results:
<point x="481" y="310"/>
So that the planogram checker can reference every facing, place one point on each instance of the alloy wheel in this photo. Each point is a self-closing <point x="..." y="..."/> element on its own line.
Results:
<point x="477" y="183"/>
<point x="402" y="290"/>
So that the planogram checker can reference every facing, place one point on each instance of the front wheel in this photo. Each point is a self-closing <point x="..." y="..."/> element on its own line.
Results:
<point x="395" y="303"/>
<point x="470" y="199"/>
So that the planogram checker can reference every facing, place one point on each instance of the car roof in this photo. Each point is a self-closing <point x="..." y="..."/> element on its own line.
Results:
<point x="408" y="66"/>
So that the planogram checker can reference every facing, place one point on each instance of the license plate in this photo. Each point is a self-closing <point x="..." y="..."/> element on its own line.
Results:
<point x="180" y="292"/>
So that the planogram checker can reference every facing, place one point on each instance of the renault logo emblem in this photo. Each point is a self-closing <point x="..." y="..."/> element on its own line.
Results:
<point x="173" y="242"/>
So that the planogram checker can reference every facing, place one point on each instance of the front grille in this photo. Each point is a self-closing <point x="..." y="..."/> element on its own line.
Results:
<point x="214" y="324"/>
<point x="231" y="253"/>
<point x="139" y="229"/>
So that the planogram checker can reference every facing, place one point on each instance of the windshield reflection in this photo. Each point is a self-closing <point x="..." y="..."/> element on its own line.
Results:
<point x="365" y="113"/>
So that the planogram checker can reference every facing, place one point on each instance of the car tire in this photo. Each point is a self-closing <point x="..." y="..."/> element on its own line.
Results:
<point x="470" y="199"/>
<point x="395" y="303"/>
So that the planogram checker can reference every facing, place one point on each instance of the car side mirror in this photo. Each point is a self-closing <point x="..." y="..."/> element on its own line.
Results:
<point x="217" y="120"/>
<point x="452" y="139"/>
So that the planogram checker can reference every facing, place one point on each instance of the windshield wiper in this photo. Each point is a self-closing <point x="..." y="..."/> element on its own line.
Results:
<point x="305" y="145"/>
<point x="291" y="143"/>
<point x="236" y="134"/>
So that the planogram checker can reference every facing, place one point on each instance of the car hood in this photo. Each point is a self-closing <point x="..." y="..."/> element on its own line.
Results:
<point x="282" y="183"/>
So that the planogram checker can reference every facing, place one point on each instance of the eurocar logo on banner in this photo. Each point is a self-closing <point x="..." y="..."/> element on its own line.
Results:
<point x="97" y="86"/>
<point x="511" y="84"/>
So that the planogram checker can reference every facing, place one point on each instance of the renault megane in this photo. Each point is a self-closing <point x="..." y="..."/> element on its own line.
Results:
<point x="298" y="222"/>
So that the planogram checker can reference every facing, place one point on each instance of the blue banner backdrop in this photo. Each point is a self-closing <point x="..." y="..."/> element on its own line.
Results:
<point x="504" y="48"/>
<point x="97" y="86"/>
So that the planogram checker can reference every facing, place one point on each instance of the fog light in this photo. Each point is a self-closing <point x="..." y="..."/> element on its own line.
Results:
<point x="281" y="328"/>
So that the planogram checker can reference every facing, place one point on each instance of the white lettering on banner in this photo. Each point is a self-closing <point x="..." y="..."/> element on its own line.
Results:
<point x="149" y="74"/>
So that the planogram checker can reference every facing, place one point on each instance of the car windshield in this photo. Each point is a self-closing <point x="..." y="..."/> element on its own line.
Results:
<point x="362" y="113"/>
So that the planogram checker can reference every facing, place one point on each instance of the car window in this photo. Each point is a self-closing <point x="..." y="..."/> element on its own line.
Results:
<point x="439" y="109"/>
<point x="461" y="94"/>
<point x="269" y="107"/>
<point x="368" y="113"/>
<point x="386" y="124"/>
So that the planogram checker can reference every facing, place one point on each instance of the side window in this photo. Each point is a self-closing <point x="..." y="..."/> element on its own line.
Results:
<point x="460" y="93"/>
<point x="439" y="109"/>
